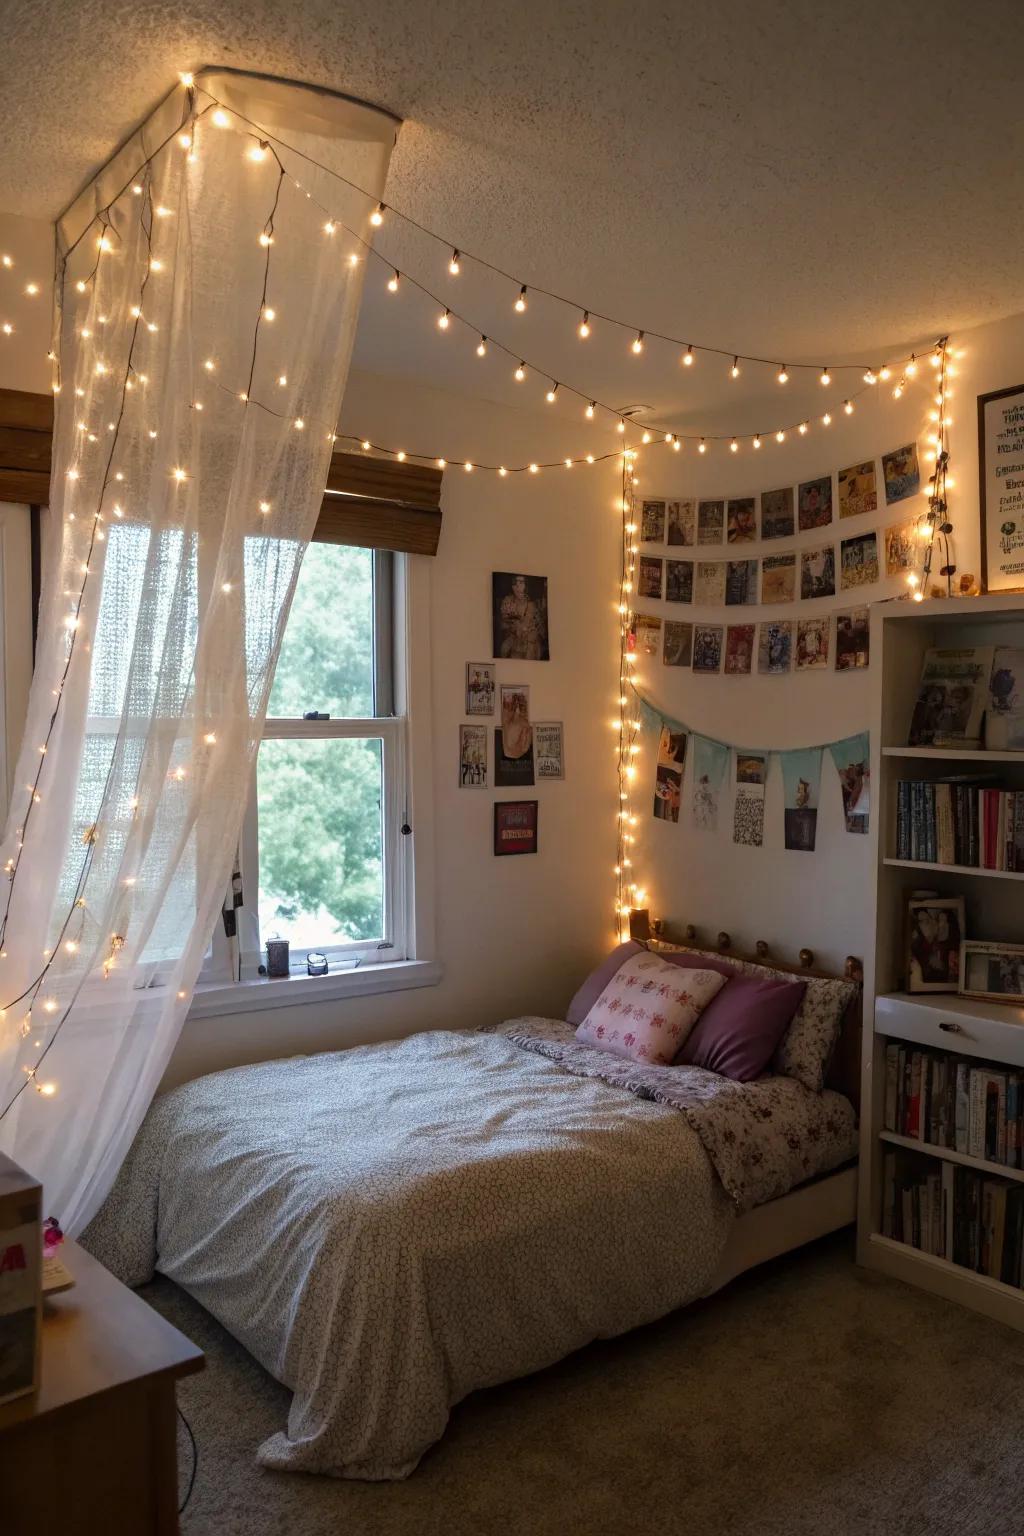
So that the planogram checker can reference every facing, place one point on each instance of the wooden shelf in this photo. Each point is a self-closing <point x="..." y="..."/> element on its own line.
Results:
<point x="949" y="1155"/>
<point x="955" y="754"/>
<point x="955" y="869"/>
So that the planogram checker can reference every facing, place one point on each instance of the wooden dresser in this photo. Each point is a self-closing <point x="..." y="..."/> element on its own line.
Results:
<point x="96" y="1449"/>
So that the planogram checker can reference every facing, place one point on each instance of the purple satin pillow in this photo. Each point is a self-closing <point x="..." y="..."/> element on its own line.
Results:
<point x="739" y="1030"/>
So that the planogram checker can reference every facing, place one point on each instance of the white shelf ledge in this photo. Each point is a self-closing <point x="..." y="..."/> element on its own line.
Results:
<point x="949" y="1155"/>
<point x="956" y="754"/>
<point x="955" y="869"/>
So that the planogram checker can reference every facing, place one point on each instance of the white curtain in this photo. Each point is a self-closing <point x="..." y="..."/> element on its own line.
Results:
<point x="206" y="320"/>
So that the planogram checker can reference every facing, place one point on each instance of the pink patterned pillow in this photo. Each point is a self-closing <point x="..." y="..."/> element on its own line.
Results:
<point x="648" y="1008"/>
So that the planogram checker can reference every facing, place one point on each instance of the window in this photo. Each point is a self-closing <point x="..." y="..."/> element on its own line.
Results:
<point x="323" y="857"/>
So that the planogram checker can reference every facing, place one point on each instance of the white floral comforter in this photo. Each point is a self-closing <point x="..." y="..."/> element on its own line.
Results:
<point x="389" y="1228"/>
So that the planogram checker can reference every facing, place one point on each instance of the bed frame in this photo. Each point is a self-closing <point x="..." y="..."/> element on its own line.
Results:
<point x="822" y="1205"/>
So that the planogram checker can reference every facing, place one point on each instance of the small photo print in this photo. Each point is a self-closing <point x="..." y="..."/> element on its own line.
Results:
<point x="519" y="609"/>
<point x="935" y="927"/>
<point x="818" y="572"/>
<point x="815" y="503"/>
<point x="742" y="521"/>
<point x="739" y="648"/>
<point x="652" y="522"/>
<point x="679" y="581"/>
<point x="707" y="648"/>
<point x="548" y="750"/>
<point x="647" y="632"/>
<point x="900" y="548"/>
<point x="778" y="578"/>
<point x="777" y="513"/>
<point x="480" y="687"/>
<point x="751" y="767"/>
<point x="811" y="643"/>
<point x="472" y="757"/>
<point x="901" y="473"/>
<point x="668" y="781"/>
<point x="678" y="650"/>
<point x="858" y="561"/>
<point x="710" y="522"/>
<point x="775" y="647"/>
<point x="740" y="582"/>
<point x="681" y="517"/>
<point x="649" y="576"/>
<point x="515" y="826"/>
<point x="512" y="771"/>
<point x="513" y="751"/>
<point x="853" y="638"/>
<point x="709" y="583"/>
<point x="857" y="492"/>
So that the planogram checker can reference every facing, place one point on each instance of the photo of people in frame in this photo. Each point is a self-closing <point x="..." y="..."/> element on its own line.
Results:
<point x="519" y="608"/>
<point x="935" y="928"/>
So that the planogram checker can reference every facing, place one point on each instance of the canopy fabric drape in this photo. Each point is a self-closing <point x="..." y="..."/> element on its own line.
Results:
<point x="206" y="318"/>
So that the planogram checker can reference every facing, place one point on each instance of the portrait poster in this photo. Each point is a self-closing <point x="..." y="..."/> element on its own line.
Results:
<point x="857" y="490"/>
<point x="709" y="583"/>
<point x="710" y="761"/>
<point x="548" y="750"/>
<point x="739" y="648"/>
<point x="513" y="740"/>
<point x="814" y="501"/>
<point x="668" y="774"/>
<point x="853" y="639"/>
<point x="777" y="513"/>
<point x="519" y="609"/>
<point x="679" y="581"/>
<point x="710" y="522"/>
<point x="480" y="683"/>
<point x="647" y="630"/>
<point x="775" y="647"/>
<point x="678" y="651"/>
<point x="1001" y="466"/>
<point x="649" y="577"/>
<point x="741" y="525"/>
<point x="515" y="826"/>
<point x="740" y="582"/>
<point x="801" y="781"/>
<point x="748" y="805"/>
<point x="812" y="643"/>
<point x="818" y="572"/>
<point x="858" y="561"/>
<point x="778" y="578"/>
<point x="901" y="544"/>
<point x="512" y="772"/>
<point x="901" y="473"/>
<point x="707" y="648"/>
<point x="472" y="757"/>
<point x="935" y="930"/>
<point x="681" y="521"/>
<point x="652" y="522"/>
<point x="852" y="758"/>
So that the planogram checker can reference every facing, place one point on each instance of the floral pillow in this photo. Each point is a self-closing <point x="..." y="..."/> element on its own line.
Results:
<point x="648" y="1008"/>
<point x="806" y="1048"/>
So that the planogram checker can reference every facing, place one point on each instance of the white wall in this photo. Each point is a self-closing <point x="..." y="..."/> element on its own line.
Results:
<point x="797" y="899"/>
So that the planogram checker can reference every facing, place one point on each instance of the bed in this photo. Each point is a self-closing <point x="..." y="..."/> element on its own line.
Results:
<point x="389" y="1228"/>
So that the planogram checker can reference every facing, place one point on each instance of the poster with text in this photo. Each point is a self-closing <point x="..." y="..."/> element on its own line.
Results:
<point x="1002" y="489"/>
<point x="858" y="561"/>
<point x="748" y="806"/>
<point x="853" y="639"/>
<point x="740" y="582"/>
<point x="818" y="572"/>
<point x="707" y="648"/>
<point x="682" y="521"/>
<point x="515" y="826"/>
<point x="678" y="650"/>
<point x="775" y="647"/>
<point x="741" y="521"/>
<point x="739" y="648"/>
<point x="710" y="522"/>
<point x="709" y="583"/>
<point x="814" y="502"/>
<point x="679" y="581"/>
<point x="777" y="513"/>
<point x="548" y="750"/>
<point x="652" y="522"/>
<point x="857" y="492"/>
<point x="901" y="473"/>
<point x="649" y="577"/>
<point x="778" y="578"/>
<point x="472" y="756"/>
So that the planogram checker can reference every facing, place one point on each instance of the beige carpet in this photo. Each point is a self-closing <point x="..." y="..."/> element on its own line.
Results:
<point x="808" y="1397"/>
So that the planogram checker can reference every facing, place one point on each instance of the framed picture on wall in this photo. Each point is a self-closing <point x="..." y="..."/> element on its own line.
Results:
<point x="935" y="929"/>
<point x="1001" y="472"/>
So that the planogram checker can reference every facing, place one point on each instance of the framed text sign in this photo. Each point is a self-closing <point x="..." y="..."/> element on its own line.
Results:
<point x="1001" y="469"/>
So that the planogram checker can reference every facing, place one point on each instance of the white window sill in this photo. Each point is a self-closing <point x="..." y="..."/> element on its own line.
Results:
<point x="215" y="998"/>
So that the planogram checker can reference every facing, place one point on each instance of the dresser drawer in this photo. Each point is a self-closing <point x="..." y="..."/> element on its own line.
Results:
<point x="953" y="1023"/>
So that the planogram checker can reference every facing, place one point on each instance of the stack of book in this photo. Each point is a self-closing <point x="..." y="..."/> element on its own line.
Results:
<point x="960" y="821"/>
<point x="956" y="1214"/>
<point x="949" y="1101"/>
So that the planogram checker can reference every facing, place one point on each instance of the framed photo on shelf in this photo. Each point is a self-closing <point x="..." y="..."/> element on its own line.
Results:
<point x="935" y="929"/>
<point x="993" y="972"/>
<point x="1000" y="468"/>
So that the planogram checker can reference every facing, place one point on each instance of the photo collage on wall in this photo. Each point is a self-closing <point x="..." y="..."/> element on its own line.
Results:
<point x="526" y="752"/>
<point x="836" y="638"/>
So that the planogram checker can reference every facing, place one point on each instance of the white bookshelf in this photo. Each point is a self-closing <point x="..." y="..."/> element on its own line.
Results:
<point x="901" y="633"/>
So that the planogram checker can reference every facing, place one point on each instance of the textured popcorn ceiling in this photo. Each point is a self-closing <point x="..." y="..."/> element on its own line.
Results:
<point x="809" y="181"/>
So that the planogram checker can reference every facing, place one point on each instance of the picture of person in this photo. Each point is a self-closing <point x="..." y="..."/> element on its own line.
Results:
<point x="652" y="522"/>
<point x="742" y="524"/>
<point x="516" y="732"/>
<point x="710" y="522"/>
<point x="682" y="521"/>
<point x="519" y="608"/>
<point x="857" y="492"/>
<point x="933" y="957"/>
<point x="775" y="647"/>
<point x="818" y="572"/>
<point x="777" y="513"/>
<point x="901" y="473"/>
<point x="679" y="581"/>
<point x="815" y="502"/>
<point x="472" y="756"/>
<point x="859" y="560"/>
<point x="707" y="648"/>
<point x="479" y="688"/>
<point x="678" y="651"/>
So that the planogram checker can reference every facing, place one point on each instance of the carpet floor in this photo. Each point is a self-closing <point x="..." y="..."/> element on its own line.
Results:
<point x="808" y="1397"/>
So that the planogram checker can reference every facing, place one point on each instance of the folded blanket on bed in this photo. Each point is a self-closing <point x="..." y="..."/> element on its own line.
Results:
<point x="389" y="1228"/>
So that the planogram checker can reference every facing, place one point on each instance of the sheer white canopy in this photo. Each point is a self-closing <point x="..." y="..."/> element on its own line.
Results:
<point x="207" y="301"/>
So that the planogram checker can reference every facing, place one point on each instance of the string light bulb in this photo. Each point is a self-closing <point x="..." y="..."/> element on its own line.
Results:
<point x="757" y="441"/>
<point x="734" y="371"/>
<point x="453" y="265"/>
<point x="393" y="282"/>
<point x="589" y="412"/>
<point x="780" y="436"/>
<point x="552" y="392"/>
<point x="734" y="446"/>
<point x="802" y="429"/>
<point x="377" y="216"/>
<point x="783" y="375"/>
<point x="442" y="320"/>
<point x="520" y="303"/>
<point x="826" y="377"/>
<point x="220" y="119"/>
<point x="688" y="357"/>
<point x="702" y="446"/>
<point x="871" y="377"/>
<point x="258" y="151"/>
<point x="583" y="329"/>
<point x="520" y="373"/>
<point x="848" y="407"/>
<point x="638" y="342"/>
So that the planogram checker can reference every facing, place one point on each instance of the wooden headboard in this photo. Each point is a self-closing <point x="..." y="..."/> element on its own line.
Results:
<point x="844" y="1071"/>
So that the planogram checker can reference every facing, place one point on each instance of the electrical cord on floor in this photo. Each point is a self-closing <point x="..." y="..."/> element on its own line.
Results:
<point x="195" y="1463"/>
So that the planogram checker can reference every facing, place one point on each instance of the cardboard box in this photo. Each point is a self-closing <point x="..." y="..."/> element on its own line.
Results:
<point x="21" y="1280"/>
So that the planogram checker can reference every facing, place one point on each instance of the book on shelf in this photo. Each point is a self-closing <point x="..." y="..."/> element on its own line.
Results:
<point x="955" y="1213"/>
<point x="960" y="820"/>
<point x="943" y="1100"/>
<point x="952" y="696"/>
